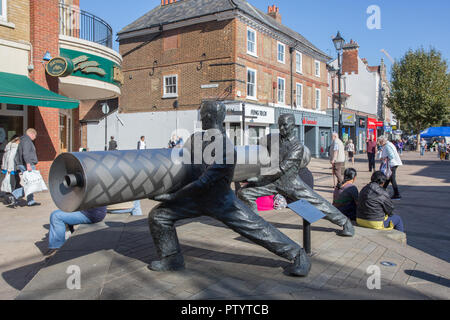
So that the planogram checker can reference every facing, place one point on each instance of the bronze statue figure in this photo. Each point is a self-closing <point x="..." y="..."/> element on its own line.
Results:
<point x="286" y="180"/>
<point x="209" y="193"/>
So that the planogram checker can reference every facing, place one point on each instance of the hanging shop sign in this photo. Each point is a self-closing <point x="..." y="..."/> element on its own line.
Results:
<point x="348" y="119"/>
<point x="60" y="67"/>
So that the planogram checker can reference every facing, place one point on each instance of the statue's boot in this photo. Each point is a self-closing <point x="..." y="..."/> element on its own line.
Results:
<point x="171" y="263"/>
<point x="348" y="231"/>
<point x="301" y="265"/>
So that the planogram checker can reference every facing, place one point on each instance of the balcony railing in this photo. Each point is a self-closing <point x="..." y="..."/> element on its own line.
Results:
<point x="77" y="23"/>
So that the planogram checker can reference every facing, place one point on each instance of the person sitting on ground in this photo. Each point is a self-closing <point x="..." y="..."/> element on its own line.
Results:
<point x="345" y="196"/>
<point x="59" y="219"/>
<point x="375" y="208"/>
<point x="129" y="207"/>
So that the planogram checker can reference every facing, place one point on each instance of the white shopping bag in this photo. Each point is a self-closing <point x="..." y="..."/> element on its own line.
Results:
<point x="6" y="183"/>
<point x="32" y="182"/>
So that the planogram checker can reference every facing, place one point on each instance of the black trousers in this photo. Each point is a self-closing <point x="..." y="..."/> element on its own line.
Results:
<point x="230" y="211"/>
<point x="393" y="180"/>
<point x="371" y="157"/>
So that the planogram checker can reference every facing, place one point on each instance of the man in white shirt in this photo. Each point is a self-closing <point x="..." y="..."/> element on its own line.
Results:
<point x="141" y="144"/>
<point x="389" y="153"/>
<point x="337" y="157"/>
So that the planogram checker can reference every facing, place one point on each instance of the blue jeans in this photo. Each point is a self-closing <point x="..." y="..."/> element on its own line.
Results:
<point x="135" y="211"/>
<point x="422" y="151"/>
<point x="397" y="221"/>
<point x="19" y="193"/>
<point x="58" y="221"/>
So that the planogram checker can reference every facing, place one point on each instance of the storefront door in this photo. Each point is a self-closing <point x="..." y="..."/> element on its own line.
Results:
<point x="325" y="141"/>
<point x="65" y="131"/>
<point x="12" y="122"/>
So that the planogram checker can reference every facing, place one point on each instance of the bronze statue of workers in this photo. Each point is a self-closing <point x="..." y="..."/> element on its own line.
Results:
<point x="287" y="181"/>
<point x="209" y="193"/>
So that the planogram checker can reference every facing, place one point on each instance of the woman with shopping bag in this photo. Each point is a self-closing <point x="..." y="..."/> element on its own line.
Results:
<point x="25" y="162"/>
<point x="9" y="175"/>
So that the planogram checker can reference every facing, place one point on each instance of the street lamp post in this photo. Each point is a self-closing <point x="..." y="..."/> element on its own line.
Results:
<point x="333" y="73"/>
<point x="338" y="42"/>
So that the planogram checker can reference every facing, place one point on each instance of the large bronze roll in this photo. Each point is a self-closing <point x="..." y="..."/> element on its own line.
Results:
<point x="79" y="181"/>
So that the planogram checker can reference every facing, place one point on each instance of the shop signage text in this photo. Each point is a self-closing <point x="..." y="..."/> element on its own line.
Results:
<point x="59" y="67"/>
<point x="309" y="122"/>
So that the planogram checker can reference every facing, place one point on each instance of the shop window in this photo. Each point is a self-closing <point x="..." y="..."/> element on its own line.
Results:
<point x="170" y="86"/>
<point x="251" y="42"/>
<point x="14" y="107"/>
<point x="251" y="83"/>
<point x="255" y="134"/>
<point x="9" y="127"/>
<point x="235" y="133"/>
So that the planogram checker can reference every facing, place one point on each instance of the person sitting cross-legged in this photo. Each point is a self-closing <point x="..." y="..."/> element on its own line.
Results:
<point x="375" y="208"/>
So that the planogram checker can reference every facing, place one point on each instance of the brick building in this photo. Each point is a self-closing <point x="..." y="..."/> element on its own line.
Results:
<point x="43" y="81"/>
<point x="183" y="52"/>
<point x="364" y="90"/>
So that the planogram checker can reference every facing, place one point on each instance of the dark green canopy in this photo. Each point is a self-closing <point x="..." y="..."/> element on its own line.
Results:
<point x="17" y="89"/>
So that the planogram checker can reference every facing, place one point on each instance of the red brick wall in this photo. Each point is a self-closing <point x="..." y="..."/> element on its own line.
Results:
<point x="177" y="52"/>
<point x="350" y="61"/>
<point x="44" y="31"/>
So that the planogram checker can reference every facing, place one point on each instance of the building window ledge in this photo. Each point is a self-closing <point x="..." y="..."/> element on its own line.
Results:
<point x="170" y="96"/>
<point x="7" y="24"/>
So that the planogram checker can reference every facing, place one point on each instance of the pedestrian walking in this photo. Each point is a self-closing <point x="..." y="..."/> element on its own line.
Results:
<point x="141" y="144"/>
<point x="371" y="151"/>
<point x="112" y="145"/>
<point x="442" y="147"/>
<point x="391" y="157"/>
<point x="9" y="174"/>
<point x="351" y="151"/>
<point x="173" y="142"/>
<point x="423" y="145"/>
<point x="337" y="158"/>
<point x="401" y="146"/>
<point x="26" y="160"/>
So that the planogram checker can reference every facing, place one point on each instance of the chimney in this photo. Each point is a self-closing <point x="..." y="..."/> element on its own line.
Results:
<point x="274" y="12"/>
<point x="166" y="2"/>
<point x="350" y="58"/>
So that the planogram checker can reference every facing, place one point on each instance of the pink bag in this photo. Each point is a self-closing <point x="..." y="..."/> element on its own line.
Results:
<point x="265" y="203"/>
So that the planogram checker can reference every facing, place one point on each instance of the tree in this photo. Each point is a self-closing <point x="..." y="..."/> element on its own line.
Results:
<point x="420" y="90"/>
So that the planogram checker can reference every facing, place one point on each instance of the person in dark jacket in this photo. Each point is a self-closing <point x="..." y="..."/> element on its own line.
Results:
<point x="25" y="160"/>
<point x="375" y="207"/>
<point x="112" y="145"/>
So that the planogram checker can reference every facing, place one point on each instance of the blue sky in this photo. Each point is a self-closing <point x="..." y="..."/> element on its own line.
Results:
<point x="405" y="24"/>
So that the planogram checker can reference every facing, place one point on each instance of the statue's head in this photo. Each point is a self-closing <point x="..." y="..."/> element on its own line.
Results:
<point x="286" y="124"/>
<point x="212" y="115"/>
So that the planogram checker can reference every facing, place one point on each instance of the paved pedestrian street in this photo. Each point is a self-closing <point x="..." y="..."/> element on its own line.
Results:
<point x="112" y="257"/>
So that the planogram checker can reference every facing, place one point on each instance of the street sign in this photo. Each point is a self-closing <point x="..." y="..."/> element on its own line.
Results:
<point x="105" y="108"/>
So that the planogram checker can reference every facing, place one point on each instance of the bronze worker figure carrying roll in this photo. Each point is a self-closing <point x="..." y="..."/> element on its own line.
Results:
<point x="209" y="193"/>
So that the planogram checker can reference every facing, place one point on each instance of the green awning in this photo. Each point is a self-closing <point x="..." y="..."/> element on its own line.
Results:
<point x="17" y="89"/>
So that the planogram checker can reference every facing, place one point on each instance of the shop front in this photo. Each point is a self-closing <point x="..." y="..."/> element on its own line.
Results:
<point x="348" y="127"/>
<point x="17" y="95"/>
<point x="258" y="121"/>
<point x="313" y="130"/>
<point x="361" y="133"/>
<point x="372" y="128"/>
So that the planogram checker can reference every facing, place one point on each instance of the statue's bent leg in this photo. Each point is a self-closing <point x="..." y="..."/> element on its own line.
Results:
<point x="248" y="224"/>
<point x="162" y="221"/>
<point x="251" y="194"/>
<point x="299" y="190"/>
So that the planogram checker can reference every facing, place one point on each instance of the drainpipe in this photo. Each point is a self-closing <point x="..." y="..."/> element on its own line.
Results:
<point x="291" y="51"/>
